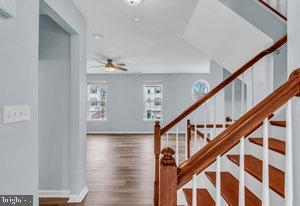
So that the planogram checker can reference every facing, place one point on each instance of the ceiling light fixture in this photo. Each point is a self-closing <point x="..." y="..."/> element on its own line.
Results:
<point x="133" y="2"/>
<point x="137" y="21"/>
<point x="98" y="36"/>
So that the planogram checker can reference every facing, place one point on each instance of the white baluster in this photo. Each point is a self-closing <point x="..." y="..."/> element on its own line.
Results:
<point x="177" y="149"/>
<point x="265" y="190"/>
<point x="232" y="101"/>
<point x="218" y="181"/>
<point x="283" y="7"/>
<point x="194" y="200"/>
<point x="242" y="175"/>
<point x="252" y="87"/>
<point x="242" y="157"/>
<point x="186" y="145"/>
<point x="195" y="137"/>
<point x="279" y="6"/>
<point x="194" y="203"/>
<point x="205" y="124"/>
<point x="167" y="139"/>
<point x="218" y="162"/>
<point x="288" y="187"/>
<point x="215" y="117"/>
<point x="243" y="96"/>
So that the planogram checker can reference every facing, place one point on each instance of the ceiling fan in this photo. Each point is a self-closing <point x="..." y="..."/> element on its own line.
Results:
<point x="110" y="66"/>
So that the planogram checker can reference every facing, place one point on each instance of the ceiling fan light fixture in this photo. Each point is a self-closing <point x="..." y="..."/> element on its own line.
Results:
<point x="133" y="2"/>
<point x="98" y="36"/>
<point x="109" y="69"/>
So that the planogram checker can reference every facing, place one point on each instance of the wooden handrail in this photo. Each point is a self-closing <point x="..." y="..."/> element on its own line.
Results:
<point x="208" y="126"/>
<point x="247" y="123"/>
<point x="223" y="84"/>
<point x="269" y="6"/>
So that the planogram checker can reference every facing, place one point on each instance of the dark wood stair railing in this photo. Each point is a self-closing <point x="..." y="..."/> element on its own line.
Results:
<point x="230" y="137"/>
<point x="158" y="131"/>
<point x="223" y="142"/>
<point x="223" y="84"/>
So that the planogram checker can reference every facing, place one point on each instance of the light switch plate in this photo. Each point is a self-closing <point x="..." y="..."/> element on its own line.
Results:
<point x="13" y="114"/>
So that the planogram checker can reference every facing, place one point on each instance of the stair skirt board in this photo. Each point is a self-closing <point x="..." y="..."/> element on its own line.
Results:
<point x="78" y="198"/>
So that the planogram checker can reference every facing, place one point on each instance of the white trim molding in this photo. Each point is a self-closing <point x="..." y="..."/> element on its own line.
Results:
<point x="128" y="132"/>
<point x="54" y="193"/>
<point x="78" y="198"/>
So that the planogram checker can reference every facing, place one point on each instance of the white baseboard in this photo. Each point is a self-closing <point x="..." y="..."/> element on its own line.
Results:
<point x="78" y="198"/>
<point x="54" y="193"/>
<point x="119" y="132"/>
<point x="127" y="132"/>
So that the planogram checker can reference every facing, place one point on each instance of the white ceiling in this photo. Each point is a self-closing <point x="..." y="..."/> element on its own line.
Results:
<point x="156" y="46"/>
<point x="223" y="35"/>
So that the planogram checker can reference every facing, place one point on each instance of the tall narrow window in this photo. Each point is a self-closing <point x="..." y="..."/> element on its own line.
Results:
<point x="153" y="101"/>
<point x="97" y="101"/>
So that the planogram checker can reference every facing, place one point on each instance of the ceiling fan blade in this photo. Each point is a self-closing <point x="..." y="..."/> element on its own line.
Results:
<point x="121" y="64"/>
<point x="97" y="67"/>
<point x="102" y="62"/>
<point x="121" y="69"/>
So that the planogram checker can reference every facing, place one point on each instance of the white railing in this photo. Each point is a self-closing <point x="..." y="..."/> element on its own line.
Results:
<point x="242" y="153"/>
<point x="265" y="180"/>
<point x="288" y="187"/>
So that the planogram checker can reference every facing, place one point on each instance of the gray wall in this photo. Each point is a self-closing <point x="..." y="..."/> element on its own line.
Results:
<point x="19" y="172"/>
<point x="54" y="105"/>
<point x="18" y="86"/>
<point x="125" y="99"/>
<point x="293" y="63"/>
<point x="237" y="97"/>
<point x="268" y="23"/>
<point x="67" y="15"/>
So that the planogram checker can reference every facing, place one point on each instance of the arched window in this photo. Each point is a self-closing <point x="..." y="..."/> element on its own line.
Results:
<point x="199" y="89"/>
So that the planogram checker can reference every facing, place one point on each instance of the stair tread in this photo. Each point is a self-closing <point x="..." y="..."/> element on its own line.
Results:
<point x="230" y="190"/>
<point x="203" y="197"/>
<point x="274" y="144"/>
<point x="278" y="123"/>
<point x="254" y="167"/>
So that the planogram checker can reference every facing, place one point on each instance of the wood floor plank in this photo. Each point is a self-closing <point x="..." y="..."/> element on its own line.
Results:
<point x="230" y="190"/>
<point x="254" y="167"/>
<point x="120" y="170"/>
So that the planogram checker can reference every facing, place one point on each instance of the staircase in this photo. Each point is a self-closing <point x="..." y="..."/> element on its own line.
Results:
<point x="236" y="161"/>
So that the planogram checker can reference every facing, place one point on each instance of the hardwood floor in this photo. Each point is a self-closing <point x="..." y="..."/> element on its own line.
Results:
<point x="120" y="170"/>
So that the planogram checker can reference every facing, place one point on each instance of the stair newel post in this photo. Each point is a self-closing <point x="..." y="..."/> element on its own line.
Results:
<point x="157" y="149"/>
<point x="168" y="179"/>
<point x="189" y="136"/>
